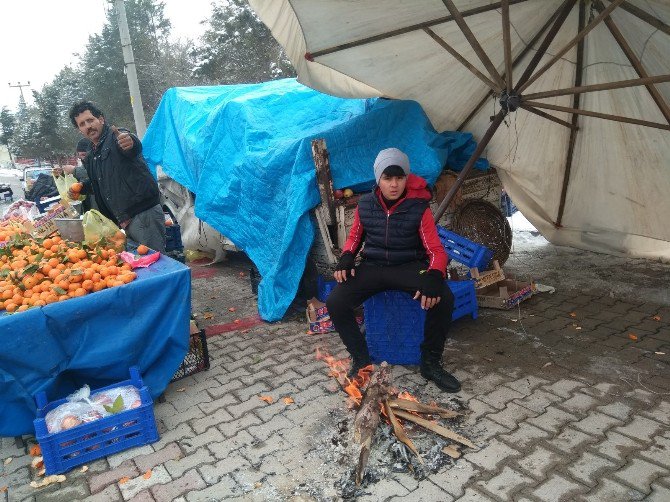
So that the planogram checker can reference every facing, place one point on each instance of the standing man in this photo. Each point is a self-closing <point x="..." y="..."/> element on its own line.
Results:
<point x="124" y="188"/>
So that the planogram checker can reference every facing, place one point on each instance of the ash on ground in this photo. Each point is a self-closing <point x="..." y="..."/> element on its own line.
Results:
<point x="336" y="453"/>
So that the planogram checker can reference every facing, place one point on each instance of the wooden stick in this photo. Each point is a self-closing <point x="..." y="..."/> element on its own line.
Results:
<point x="518" y="58"/>
<point x="500" y="116"/>
<point x="637" y="64"/>
<point x="472" y="40"/>
<point x="547" y="116"/>
<point x="461" y="59"/>
<point x="579" y="72"/>
<point x="646" y="17"/>
<point x="437" y="429"/>
<point x="407" y="405"/>
<point x="451" y="451"/>
<point x="368" y="416"/>
<point x="620" y="84"/>
<point x="407" y="29"/>
<point x="572" y="43"/>
<point x="324" y="180"/>
<point x="562" y="15"/>
<point x="399" y="431"/>
<point x="606" y="116"/>
<point x="507" y="44"/>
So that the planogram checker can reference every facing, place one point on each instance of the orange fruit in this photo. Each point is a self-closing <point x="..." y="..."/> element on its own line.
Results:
<point x="142" y="249"/>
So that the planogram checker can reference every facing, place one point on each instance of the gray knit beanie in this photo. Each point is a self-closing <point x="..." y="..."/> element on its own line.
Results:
<point x="390" y="157"/>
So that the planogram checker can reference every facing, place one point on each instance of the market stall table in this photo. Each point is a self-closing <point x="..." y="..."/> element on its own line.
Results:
<point x="94" y="340"/>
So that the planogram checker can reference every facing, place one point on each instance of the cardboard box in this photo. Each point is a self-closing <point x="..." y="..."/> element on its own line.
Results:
<point x="505" y="294"/>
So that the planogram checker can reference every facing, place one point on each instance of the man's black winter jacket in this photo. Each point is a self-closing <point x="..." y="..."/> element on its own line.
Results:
<point x="121" y="181"/>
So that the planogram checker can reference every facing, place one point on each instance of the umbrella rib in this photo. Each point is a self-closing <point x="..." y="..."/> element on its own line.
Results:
<point x="461" y="59"/>
<point x="517" y="59"/>
<point x="646" y="17"/>
<point x="579" y="72"/>
<point x="507" y="44"/>
<point x="619" y="84"/>
<point x="637" y="64"/>
<point x="481" y="145"/>
<point x="406" y="29"/>
<point x="547" y="116"/>
<point x="580" y="36"/>
<point x="472" y="40"/>
<point x="562" y="15"/>
<point x="606" y="116"/>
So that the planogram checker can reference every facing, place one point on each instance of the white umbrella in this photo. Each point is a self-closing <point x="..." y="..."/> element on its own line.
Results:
<point x="585" y="153"/>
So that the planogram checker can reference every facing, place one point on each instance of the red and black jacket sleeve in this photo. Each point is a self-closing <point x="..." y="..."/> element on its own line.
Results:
<point x="431" y="242"/>
<point x="356" y="236"/>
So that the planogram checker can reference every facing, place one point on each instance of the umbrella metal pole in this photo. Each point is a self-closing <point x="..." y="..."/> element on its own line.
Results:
<point x="470" y="163"/>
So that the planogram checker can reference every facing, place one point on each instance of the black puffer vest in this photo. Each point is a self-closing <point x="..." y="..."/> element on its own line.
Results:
<point x="392" y="238"/>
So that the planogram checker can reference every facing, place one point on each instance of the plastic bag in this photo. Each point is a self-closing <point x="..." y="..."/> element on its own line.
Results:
<point x="82" y="407"/>
<point x="139" y="261"/>
<point x="21" y="209"/>
<point x="76" y="411"/>
<point x="101" y="231"/>
<point x="129" y="395"/>
<point x="63" y="184"/>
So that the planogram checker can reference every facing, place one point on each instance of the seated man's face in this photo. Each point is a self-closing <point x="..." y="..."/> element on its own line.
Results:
<point x="58" y="171"/>
<point x="392" y="187"/>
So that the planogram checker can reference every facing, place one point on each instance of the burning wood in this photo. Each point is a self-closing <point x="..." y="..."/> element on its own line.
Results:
<point x="367" y="419"/>
<point x="407" y="405"/>
<point x="373" y="393"/>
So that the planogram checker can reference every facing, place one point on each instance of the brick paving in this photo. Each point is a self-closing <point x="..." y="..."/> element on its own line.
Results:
<point x="557" y="413"/>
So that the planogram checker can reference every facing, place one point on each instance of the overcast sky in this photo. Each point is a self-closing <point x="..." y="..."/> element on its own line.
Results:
<point x="39" y="37"/>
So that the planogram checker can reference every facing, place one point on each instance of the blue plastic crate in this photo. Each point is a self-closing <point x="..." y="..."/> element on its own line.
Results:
<point x="87" y="442"/>
<point x="173" y="238"/>
<point x="394" y="322"/>
<point x="324" y="288"/>
<point x="464" y="250"/>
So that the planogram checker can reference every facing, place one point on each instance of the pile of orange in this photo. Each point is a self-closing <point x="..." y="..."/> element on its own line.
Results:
<point x="10" y="228"/>
<point x="36" y="272"/>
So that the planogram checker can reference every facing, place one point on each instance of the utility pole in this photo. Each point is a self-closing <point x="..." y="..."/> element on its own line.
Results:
<point x="20" y="86"/>
<point x="131" y="71"/>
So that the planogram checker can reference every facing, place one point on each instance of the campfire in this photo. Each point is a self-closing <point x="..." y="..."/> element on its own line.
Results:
<point x="376" y="400"/>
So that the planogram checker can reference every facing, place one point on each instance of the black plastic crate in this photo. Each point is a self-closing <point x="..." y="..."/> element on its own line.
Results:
<point x="197" y="357"/>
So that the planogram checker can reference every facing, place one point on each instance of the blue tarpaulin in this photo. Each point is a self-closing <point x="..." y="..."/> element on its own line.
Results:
<point x="245" y="151"/>
<point x="94" y="340"/>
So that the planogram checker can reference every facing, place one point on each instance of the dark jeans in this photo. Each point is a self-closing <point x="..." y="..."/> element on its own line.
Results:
<point x="370" y="280"/>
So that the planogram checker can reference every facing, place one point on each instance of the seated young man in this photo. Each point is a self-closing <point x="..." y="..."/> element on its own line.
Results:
<point x="402" y="252"/>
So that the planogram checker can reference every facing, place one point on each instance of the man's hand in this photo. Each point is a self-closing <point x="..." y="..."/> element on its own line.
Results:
<point x="431" y="289"/>
<point x="68" y="169"/>
<point x="345" y="267"/>
<point x="124" y="140"/>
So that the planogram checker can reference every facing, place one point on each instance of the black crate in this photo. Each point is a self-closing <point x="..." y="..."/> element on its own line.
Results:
<point x="197" y="357"/>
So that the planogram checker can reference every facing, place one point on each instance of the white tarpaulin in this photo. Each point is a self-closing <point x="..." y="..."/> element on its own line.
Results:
<point x="616" y="194"/>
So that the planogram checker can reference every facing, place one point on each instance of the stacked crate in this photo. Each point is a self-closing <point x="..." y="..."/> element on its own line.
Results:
<point x="493" y="289"/>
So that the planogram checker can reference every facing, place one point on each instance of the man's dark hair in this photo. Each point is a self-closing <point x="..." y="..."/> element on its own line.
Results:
<point x="81" y="107"/>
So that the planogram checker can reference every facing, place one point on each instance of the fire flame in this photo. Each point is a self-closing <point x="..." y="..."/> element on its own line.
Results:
<point x="338" y="370"/>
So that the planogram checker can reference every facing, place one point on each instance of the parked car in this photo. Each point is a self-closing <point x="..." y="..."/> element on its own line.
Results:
<point x="30" y="174"/>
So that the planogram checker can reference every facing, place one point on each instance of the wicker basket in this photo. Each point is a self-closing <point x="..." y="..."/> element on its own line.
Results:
<point x="484" y="223"/>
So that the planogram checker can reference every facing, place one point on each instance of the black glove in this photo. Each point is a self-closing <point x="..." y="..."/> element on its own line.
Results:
<point x="432" y="284"/>
<point x="346" y="261"/>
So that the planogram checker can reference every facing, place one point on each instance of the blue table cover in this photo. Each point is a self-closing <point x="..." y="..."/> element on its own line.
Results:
<point x="94" y="340"/>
